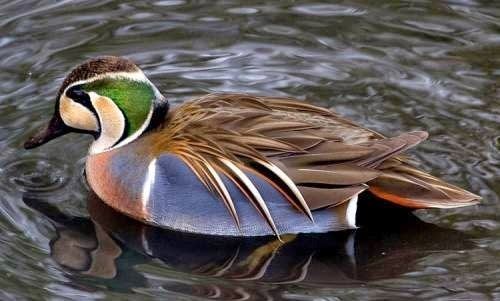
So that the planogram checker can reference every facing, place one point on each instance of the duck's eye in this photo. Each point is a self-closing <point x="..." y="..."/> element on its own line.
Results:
<point x="78" y="95"/>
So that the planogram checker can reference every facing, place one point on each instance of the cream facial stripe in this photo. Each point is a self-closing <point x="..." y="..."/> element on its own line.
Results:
<point x="77" y="115"/>
<point x="134" y="75"/>
<point x="137" y="75"/>
<point x="112" y="123"/>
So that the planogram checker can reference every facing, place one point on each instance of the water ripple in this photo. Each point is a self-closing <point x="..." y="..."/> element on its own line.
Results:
<point x="326" y="10"/>
<point x="35" y="175"/>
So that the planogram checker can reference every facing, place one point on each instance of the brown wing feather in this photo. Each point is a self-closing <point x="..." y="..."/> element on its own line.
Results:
<point x="409" y="187"/>
<point x="328" y="197"/>
<point x="310" y="154"/>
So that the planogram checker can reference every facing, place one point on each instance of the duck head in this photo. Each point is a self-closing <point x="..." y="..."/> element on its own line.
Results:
<point x="109" y="98"/>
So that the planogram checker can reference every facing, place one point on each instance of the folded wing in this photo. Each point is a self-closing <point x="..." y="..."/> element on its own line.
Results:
<point x="314" y="157"/>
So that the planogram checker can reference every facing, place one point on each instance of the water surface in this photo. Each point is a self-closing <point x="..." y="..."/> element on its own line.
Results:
<point x="393" y="66"/>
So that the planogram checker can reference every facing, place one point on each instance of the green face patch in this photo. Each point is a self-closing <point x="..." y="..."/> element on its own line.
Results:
<point x="134" y="98"/>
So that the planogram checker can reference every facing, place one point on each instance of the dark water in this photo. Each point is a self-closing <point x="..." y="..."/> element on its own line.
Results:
<point x="391" y="65"/>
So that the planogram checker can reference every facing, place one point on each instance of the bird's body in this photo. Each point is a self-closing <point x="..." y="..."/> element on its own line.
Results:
<point x="235" y="164"/>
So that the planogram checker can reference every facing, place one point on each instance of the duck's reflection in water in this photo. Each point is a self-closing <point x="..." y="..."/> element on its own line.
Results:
<point x="110" y="245"/>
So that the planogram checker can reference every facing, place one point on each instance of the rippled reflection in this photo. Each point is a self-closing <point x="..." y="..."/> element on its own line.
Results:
<point x="111" y="246"/>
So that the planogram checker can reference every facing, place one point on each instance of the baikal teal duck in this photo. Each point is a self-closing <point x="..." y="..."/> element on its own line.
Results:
<point x="233" y="164"/>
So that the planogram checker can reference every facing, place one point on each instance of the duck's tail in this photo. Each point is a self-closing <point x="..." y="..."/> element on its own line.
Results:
<point x="410" y="187"/>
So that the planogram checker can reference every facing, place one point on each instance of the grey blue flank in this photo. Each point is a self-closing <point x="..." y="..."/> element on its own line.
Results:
<point x="179" y="201"/>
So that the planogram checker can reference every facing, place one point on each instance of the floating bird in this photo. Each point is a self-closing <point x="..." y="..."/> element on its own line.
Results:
<point x="233" y="164"/>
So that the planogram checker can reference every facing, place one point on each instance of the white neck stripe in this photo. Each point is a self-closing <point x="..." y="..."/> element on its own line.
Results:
<point x="137" y="76"/>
